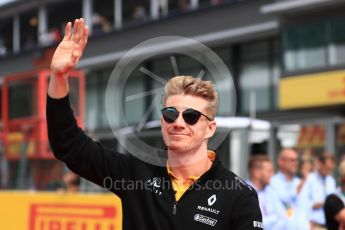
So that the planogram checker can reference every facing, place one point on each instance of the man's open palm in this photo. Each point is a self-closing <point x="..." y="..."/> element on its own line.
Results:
<point x="71" y="48"/>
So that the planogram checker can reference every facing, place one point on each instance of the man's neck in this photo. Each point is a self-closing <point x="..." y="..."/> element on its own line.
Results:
<point x="288" y="176"/>
<point x="322" y="173"/>
<point x="186" y="164"/>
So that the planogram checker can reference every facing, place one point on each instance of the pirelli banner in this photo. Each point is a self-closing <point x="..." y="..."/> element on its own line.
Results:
<point x="312" y="90"/>
<point x="53" y="211"/>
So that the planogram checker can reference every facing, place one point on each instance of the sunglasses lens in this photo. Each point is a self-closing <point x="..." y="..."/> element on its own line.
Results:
<point x="191" y="116"/>
<point x="170" y="114"/>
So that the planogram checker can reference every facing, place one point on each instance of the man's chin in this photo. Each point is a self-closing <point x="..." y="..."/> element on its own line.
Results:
<point x="177" y="147"/>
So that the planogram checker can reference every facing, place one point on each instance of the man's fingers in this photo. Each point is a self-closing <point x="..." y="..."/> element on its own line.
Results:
<point x="80" y="31"/>
<point x="68" y="31"/>
<point x="79" y="49"/>
<point x="75" y="29"/>
<point x="83" y="39"/>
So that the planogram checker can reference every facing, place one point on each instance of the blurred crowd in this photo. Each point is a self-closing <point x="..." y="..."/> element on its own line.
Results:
<point x="295" y="196"/>
<point x="101" y="23"/>
<point x="70" y="183"/>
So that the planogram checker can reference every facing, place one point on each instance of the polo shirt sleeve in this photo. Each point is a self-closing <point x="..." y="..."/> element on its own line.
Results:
<point x="247" y="213"/>
<point x="333" y="205"/>
<point x="82" y="155"/>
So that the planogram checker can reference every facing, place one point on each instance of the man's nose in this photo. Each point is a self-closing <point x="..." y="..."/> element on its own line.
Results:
<point x="179" y="122"/>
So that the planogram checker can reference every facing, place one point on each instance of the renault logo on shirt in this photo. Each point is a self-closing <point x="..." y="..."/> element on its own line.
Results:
<point x="212" y="200"/>
<point x="205" y="219"/>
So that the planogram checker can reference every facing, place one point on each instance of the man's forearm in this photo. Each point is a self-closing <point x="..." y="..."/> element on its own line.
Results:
<point x="58" y="86"/>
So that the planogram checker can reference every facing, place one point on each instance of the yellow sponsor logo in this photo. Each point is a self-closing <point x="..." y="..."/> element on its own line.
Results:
<point x="312" y="90"/>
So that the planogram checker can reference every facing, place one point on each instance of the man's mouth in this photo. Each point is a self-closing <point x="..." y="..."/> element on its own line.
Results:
<point x="178" y="134"/>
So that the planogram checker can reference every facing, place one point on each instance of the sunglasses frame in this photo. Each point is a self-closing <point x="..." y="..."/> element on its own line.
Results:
<point x="186" y="109"/>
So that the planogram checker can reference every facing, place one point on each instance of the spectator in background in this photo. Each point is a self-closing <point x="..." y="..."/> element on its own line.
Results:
<point x="288" y="188"/>
<point x="341" y="189"/>
<point x="70" y="183"/>
<point x="50" y="37"/>
<point x="306" y="164"/>
<point x="139" y="14"/>
<point x="29" y="42"/>
<point x="306" y="167"/>
<point x="4" y="169"/>
<point x="44" y="39"/>
<point x="106" y="25"/>
<point x="100" y="24"/>
<point x="163" y="6"/>
<point x="55" y="35"/>
<point x="319" y="184"/>
<point x="260" y="172"/>
<point x="183" y="5"/>
<point x="216" y="2"/>
<point x="3" y="49"/>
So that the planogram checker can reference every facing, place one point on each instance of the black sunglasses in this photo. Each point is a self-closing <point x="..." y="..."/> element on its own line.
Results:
<point x="190" y="116"/>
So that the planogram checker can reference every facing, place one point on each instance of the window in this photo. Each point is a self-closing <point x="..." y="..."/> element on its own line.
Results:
<point x="314" y="45"/>
<point x="103" y="16"/>
<point x="22" y="99"/>
<point x="337" y="40"/>
<point x="177" y="7"/>
<point x="135" y="12"/>
<point x="6" y="35"/>
<point x="28" y="30"/>
<point x="305" y="47"/>
<point x="226" y="106"/>
<point x="58" y="16"/>
<point x="258" y="76"/>
<point x="134" y="103"/>
<point x="163" y="68"/>
<point x="133" y="107"/>
<point x="95" y="99"/>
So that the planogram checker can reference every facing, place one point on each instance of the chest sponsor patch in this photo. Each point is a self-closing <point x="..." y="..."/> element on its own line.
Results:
<point x="258" y="224"/>
<point x="205" y="219"/>
<point x="206" y="209"/>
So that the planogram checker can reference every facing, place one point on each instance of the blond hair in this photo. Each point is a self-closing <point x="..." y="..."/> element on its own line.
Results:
<point x="189" y="85"/>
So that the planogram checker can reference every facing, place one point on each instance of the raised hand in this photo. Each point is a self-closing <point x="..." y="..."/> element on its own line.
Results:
<point x="71" y="48"/>
<point x="66" y="56"/>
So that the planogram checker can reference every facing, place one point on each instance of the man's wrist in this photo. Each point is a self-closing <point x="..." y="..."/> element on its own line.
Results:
<point x="57" y="75"/>
<point x="58" y="85"/>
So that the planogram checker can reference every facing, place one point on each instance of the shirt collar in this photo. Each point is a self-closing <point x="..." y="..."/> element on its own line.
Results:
<point x="210" y="154"/>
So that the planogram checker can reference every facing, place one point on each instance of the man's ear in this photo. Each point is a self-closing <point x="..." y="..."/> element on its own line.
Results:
<point x="211" y="129"/>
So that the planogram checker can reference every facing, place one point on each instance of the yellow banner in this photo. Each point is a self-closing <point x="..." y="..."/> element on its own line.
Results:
<point x="54" y="211"/>
<point x="312" y="90"/>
